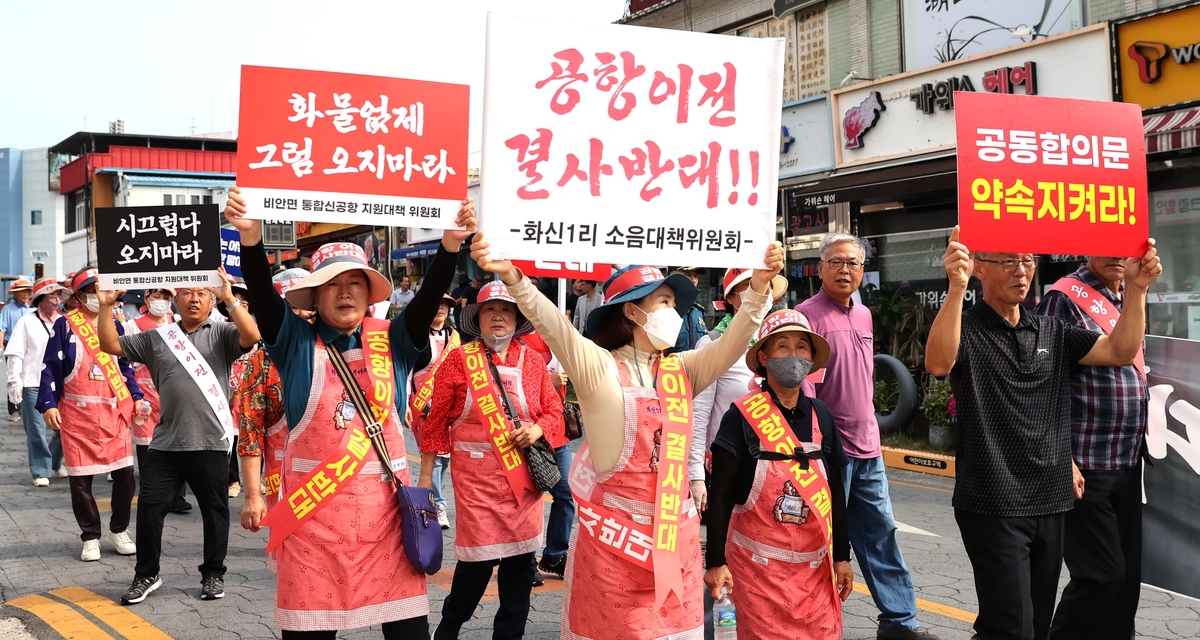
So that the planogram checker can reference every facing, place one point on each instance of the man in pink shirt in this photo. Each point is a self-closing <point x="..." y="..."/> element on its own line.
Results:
<point x="848" y="390"/>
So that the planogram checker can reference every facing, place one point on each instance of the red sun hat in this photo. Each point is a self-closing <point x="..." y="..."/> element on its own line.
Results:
<point x="734" y="277"/>
<point x="492" y="291"/>
<point x="330" y="261"/>
<point x="46" y="286"/>
<point x="20" y="284"/>
<point x="83" y="279"/>
<point x="782" y="322"/>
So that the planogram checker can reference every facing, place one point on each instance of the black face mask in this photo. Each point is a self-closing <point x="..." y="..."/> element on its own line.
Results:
<point x="790" y="371"/>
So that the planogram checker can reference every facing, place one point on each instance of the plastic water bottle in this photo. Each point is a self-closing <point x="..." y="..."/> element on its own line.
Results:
<point x="724" y="618"/>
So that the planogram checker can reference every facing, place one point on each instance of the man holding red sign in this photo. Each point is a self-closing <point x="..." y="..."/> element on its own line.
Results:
<point x="1108" y="424"/>
<point x="1011" y="373"/>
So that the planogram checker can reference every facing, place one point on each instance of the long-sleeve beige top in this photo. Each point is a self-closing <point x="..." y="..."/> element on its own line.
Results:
<point x="592" y="369"/>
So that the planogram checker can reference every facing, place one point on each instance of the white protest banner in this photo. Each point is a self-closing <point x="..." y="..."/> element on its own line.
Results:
<point x="608" y="143"/>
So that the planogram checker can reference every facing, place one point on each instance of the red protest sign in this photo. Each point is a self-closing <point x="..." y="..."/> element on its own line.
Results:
<point x="352" y="149"/>
<point x="1051" y="175"/>
<point x="572" y="270"/>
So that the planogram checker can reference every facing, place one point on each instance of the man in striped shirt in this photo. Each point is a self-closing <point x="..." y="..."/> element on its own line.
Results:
<point x="1108" y="424"/>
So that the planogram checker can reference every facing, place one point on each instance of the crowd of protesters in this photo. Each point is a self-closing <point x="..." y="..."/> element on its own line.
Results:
<point x="763" y="429"/>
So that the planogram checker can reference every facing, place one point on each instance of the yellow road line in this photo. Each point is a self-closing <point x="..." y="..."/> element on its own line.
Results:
<point x="121" y="619"/>
<point x="545" y="498"/>
<point x="919" y="486"/>
<point x="69" y="623"/>
<point x="930" y="606"/>
<point x="104" y="505"/>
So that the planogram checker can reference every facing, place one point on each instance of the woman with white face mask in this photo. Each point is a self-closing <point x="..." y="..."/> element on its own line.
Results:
<point x="634" y="570"/>
<point x="499" y="510"/>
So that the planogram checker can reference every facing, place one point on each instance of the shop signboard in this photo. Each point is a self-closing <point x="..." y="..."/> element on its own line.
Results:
<point x="1156" y="60"/>
<point x="352" y="149"/>
<point x="231" y="251"/>
<point x="805" y="138"/>
<point x="937" y="31"/>
<point x="611" y="143"/>
<point x="1051" y="175"/>
<point x="913" y="113"/>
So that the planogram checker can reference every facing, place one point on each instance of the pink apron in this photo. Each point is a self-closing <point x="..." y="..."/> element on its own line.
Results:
<point x="143" y="433"/>
<point x="489" y="522"/>
<point x="610" y="598"/>
<point x="783" y="581"/>
<point x="345" y="568"/>
<point x="438" y="353"/>
<point x="95" y="436"/>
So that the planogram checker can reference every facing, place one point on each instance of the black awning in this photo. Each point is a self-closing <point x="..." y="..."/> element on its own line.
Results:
<point x="916" y="177"/>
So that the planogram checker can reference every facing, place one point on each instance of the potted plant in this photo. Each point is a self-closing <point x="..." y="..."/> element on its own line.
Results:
<point x="940" y="408"/>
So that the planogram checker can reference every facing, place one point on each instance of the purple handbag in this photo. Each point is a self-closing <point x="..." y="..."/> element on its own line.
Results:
<point x="422" y="542"/>
<point x="420" y="529"/>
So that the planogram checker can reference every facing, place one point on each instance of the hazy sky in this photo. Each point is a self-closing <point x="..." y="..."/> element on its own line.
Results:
<point x="162" y="66"/>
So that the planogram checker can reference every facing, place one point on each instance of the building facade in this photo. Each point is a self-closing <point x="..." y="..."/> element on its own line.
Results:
<point x="11" y="186"/>
<point x="1156" y="64"/>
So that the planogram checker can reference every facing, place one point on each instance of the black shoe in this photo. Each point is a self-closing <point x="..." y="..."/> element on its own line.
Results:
<point x="557" y="569"/>
<point x="538" y="579"/>
<point x="893" y="633"/>
<point x="180" y="506"/>
<point x="212" y="588"/>
<point x="140" y="588"/>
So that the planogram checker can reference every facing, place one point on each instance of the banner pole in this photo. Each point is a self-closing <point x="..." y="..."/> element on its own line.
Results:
<point x="562" y="295"/>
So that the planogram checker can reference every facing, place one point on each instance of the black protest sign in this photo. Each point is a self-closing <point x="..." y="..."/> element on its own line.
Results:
<point x="172" y="246"/>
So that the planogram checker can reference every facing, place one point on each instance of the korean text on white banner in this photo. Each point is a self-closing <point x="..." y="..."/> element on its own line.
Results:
<point x="352" y="149"/>
<point x="609" y="143"/>
<point x="170" y="246"/>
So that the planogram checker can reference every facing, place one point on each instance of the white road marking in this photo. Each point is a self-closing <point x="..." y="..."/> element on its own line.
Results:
<point x="906" y="528"/>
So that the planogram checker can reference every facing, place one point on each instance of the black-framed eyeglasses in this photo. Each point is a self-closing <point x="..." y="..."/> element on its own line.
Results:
<point x="1010" y="265"/>
<point x="836" y="264"/>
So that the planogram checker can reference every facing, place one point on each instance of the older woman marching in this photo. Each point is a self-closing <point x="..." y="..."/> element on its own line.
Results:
<point x="777" y="496"/>
<point x="342" y="568"/>
<point x="634" y="567"/>
<point x="499" y="521"/>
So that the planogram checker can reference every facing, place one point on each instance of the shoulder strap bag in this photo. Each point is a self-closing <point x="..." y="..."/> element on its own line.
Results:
<point x="543" y="465"/>
<point x="422" y="542"/>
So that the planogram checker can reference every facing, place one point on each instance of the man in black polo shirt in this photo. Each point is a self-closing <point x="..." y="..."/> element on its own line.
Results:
<point x="1011" y="374"/>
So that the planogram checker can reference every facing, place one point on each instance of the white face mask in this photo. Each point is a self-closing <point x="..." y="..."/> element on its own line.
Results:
<point x="662" y="327"/>
<point x="93" y="303"/>
<point x="498" y="343"/>
<point x="159" y="308"/>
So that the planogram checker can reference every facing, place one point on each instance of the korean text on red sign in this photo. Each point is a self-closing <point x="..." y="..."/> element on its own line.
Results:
<point x="606" y="143"/>
<point x="353" y="149"/>
<point x="1051" y="175"/>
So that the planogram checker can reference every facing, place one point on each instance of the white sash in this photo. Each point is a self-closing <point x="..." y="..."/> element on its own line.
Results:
<point x="201" y="373"/>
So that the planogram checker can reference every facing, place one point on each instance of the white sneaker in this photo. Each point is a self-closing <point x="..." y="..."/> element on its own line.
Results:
<point x="91" y="551"/>
<point x="441" y="516"/>
<point x="16" y="417"/>
<point x="110" y="477"/>
<point x="61" y="472"/>
<point x="235" y="488"/>
<point x="122" y="543"/>
<point x="41" y="482"/>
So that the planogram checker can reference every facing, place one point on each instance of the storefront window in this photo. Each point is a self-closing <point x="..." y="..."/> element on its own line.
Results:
<point x="1175" y="298"/>
<point x="912" y="264"/>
